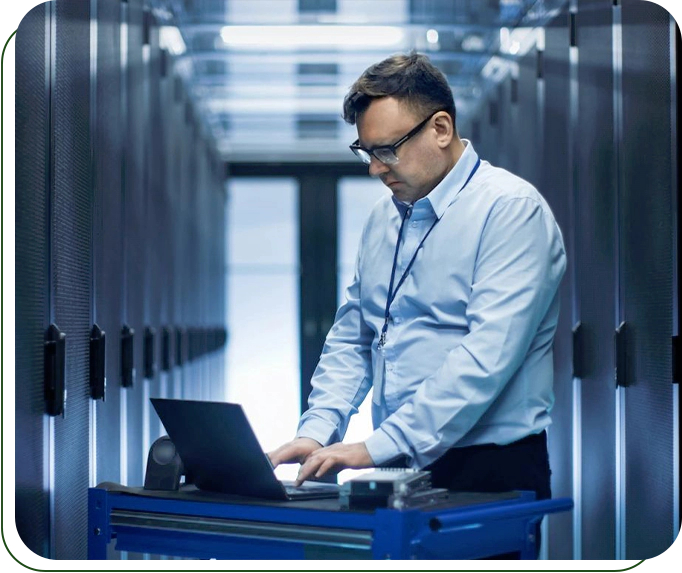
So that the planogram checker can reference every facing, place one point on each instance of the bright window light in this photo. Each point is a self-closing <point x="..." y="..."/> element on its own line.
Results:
<point x="170" y="39"/>
<point x="310" y="36"/>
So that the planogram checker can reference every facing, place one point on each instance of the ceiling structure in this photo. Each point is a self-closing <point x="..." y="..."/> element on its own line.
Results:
<point x="267" y="77"/>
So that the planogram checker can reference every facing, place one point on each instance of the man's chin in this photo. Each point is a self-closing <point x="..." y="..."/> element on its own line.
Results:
<point x="398" y="190"/>
<point x="401" y="194"/>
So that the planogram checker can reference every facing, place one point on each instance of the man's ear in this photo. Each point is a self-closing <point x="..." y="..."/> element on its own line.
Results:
<point x="445" y="131"/>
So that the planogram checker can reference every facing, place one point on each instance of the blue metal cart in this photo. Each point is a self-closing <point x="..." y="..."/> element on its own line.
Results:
<point x="195" y="524"/>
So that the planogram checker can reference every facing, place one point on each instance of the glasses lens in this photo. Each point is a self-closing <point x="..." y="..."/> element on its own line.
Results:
<point x="362" y="155"/>
<point x="385" y="155"/>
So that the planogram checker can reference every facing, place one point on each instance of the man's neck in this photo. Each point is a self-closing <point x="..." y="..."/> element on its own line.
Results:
<point x="458" y="149"/>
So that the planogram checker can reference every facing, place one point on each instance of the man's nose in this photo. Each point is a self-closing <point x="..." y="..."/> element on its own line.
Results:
<point x="376" y="167"/>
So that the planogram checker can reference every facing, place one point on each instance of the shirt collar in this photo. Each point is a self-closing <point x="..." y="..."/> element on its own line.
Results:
<point x="443" y="194"/>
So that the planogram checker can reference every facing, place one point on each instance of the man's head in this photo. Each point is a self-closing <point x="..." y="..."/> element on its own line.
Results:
<point x="412" y="79"/>
<point x="404" y="95"/>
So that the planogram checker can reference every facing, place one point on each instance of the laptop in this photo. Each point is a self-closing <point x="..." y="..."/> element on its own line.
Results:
<point x="221" y="452"/>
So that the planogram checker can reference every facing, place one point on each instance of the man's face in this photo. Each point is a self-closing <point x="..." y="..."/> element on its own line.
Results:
<point x="384" y="122"/>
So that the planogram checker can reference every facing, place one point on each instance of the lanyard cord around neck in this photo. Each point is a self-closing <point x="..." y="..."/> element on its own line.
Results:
<point x="391" y="292"/>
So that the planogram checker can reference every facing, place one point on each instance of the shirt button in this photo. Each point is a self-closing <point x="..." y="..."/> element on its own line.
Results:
<point x="397" y="320"/>
<point x="415" y="224"/>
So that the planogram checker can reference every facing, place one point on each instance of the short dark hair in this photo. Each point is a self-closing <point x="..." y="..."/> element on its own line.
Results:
<point x="410" y="78"/>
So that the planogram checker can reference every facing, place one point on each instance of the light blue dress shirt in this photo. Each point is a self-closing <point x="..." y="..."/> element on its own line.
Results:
<point x="468" y="353"/>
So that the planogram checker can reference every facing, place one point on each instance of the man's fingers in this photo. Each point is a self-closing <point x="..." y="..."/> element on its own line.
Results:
<point x="301" y="477"/>
<point x="303" y="473"/>
<point x="283" y="455"/>
<point x="297" y="451"/>
<point x="326" y="466"/>
<point x="317" y="465"/>
<point x="307" y="469"/>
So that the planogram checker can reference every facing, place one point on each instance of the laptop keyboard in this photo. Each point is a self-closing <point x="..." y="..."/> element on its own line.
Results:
<point x="309" y="487"/>
<point x="292" y="489"/>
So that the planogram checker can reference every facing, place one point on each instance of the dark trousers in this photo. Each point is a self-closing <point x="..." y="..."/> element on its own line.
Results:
<point x="521" y="465"/>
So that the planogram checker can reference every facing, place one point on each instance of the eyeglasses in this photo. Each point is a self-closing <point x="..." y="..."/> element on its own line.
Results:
<point x="386" y="153"/>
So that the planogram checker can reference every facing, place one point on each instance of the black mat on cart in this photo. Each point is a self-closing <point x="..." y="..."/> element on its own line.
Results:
<point x="192" y="493"/>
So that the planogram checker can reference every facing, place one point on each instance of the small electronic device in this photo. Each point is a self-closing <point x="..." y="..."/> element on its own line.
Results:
<point x="396" y="488"/>
<point x="164" y="466"/>
<point x="389" y="481"/>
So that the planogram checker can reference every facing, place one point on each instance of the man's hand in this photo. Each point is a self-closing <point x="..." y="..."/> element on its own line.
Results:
<point x="295" y="451"/>
<point x="335" y="457"/>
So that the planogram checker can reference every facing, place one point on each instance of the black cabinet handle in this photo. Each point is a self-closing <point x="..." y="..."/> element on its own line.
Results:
<point x="620" y="355"/>
<point x="179" y="345"/>
<point x="55" y="371"/>
<point x="149" y="352"/>
<point x="127" y="357"/>
<point x="578" y="351"/>
<point x="98" y="380"/>
<point x="166" y="349"/>
<point x="572" y="30"/>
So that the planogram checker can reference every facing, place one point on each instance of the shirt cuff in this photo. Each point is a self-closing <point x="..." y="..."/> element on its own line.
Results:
<point x="322" y="431"/>
<point x="381" y="447"/>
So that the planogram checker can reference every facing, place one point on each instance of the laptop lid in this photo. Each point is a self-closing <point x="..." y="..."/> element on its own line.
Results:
<point x="219" y="448"/>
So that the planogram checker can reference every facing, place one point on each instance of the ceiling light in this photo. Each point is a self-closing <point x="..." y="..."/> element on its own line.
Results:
<point x="432" y="36"/>
<point x="170" y="39"/>
<point x="275" y="106"/>
<point x="518" y="41"/>
<point x="311" y="36"/>
<point x="505" y="39"/>
<point x="540" y="32"/>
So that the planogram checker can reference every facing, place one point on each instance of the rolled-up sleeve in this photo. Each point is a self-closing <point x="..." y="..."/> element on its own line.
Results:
<point x="518" y="269"/>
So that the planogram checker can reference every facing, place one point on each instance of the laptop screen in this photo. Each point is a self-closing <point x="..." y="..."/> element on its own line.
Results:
<point x="218" y="447"/>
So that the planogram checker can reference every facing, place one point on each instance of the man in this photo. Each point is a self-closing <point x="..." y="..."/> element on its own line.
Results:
<point x="452" y="312"/>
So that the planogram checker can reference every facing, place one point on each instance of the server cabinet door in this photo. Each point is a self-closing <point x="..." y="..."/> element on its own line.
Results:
<point x="596" y="275"/>
<point x="646" y="263"/>
<point x="555" y="186"/>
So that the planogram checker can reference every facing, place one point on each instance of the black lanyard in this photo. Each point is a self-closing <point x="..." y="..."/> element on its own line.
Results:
<point x="391" y="292"/>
